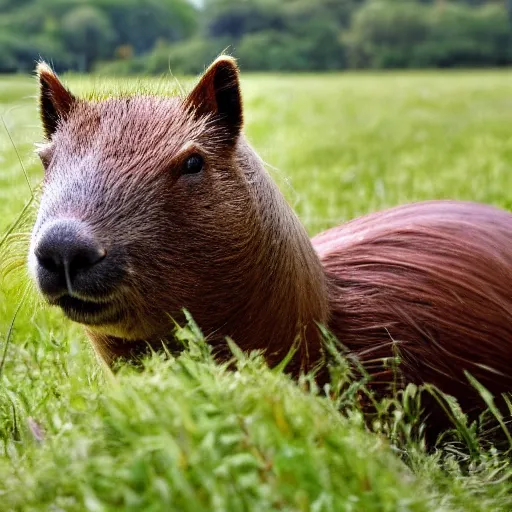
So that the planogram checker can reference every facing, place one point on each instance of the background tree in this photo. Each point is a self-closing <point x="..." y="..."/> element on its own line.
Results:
<point x="88" y="34"/>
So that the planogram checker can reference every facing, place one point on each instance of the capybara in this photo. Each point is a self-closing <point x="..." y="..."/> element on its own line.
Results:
<point x="152" y="204"/>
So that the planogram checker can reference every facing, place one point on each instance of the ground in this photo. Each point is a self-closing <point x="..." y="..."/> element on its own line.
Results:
<point x="187" y="434"/>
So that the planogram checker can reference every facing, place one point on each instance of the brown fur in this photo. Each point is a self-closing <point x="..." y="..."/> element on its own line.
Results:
<point x="432" y="279"/>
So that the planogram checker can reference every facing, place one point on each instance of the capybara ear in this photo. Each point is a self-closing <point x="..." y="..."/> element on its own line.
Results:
<point x="218" y="93"/>
<point x="55" y="101"/>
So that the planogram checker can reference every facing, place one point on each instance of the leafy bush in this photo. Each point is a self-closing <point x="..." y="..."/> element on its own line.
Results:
<point x="384" y="34"/>
<point x="235" y="20"/>
<point x="188" y="57"/>
<point x="390" y="34"/>
<point x="459" y="36"/>
<point x="20" y="54"/>
<point x="272" y="50"/>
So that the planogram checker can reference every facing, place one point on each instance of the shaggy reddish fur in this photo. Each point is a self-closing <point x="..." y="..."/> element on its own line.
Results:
<point x="432" y="280"/>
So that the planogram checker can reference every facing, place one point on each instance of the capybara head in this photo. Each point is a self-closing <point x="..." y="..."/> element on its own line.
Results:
<point x="149" y="206"/>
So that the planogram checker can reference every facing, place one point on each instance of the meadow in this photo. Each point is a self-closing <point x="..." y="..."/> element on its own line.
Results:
<point x="187" y="434"/>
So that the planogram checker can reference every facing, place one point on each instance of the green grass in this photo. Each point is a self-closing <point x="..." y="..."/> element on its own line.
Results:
<point x="187" y="434"/>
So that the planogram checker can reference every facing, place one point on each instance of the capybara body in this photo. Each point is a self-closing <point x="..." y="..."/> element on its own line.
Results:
<point x="431" y="283"/>
<point x="153" y="204"/>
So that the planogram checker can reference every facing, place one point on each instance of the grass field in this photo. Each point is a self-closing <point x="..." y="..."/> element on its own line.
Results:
<point x="186" y="434"/>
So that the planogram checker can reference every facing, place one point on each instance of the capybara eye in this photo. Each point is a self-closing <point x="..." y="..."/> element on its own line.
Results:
<point x="193" y="164"/>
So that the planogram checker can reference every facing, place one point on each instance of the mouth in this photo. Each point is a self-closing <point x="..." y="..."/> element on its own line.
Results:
<point x="88" y="312"/>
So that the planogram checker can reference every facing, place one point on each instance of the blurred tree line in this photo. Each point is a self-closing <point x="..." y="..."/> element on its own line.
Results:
<point x="153" y="36"/>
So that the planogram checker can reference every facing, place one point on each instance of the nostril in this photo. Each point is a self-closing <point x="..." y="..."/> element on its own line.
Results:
<point x="48" y="262"/>
<point x="85" y="257"/>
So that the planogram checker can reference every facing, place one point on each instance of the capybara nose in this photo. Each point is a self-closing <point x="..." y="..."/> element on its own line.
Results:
<point x="65" y="252"/>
